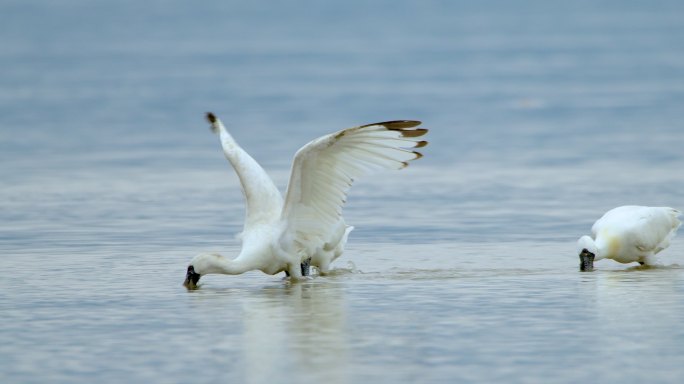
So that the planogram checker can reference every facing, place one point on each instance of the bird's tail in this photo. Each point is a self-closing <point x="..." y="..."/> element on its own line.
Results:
<point x="343" y="241"/>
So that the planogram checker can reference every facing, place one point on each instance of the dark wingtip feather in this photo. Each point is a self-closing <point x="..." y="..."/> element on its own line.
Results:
<point x="212" y="119"/>
<point x="411" y="132"/>
<point x="403" y="126"/>
<point x="405" y="164"/>
<point x="421" y="144"/>
<point x="397" y="124"/>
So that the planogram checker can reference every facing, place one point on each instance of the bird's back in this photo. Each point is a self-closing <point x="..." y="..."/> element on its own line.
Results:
<point x="630" y="233"/>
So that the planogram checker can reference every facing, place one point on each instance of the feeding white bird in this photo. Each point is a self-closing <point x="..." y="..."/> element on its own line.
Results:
<point x="627" y="234"/>
<point x="306" y="227"/>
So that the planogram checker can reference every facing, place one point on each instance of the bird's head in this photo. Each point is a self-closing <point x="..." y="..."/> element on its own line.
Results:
<point x="587" y="251"/>
<point x="191" y="278"/>
<point x="199" y="266"/>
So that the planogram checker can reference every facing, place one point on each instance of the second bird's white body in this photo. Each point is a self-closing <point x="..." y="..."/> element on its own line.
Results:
<point x="632" y="233"/>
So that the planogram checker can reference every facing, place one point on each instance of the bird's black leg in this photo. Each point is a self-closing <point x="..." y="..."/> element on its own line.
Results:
<point x="305" y="267"/>
<point x="287" y="274"/>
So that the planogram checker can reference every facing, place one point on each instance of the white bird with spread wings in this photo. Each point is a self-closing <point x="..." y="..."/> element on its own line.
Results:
<point x="306" y="227"/>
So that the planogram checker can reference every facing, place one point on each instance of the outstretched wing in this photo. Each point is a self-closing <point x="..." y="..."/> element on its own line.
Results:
<point x="263" y="200"/>
<point x="324" y="169"/>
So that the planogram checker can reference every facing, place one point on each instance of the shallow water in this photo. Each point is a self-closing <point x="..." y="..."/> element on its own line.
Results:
<point x="461" y="268"/>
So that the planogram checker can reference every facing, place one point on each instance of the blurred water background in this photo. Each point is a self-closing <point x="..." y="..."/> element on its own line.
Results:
<point x="462" y="268"/>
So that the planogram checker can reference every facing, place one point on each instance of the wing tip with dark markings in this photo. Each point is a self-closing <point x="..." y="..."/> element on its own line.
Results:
<point x="396" y="124"/>
<point x="213" y="120"/>
<point x="418" y="132"/>
<point x="403" y="126"/>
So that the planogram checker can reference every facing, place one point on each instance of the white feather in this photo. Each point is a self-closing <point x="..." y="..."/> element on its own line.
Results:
<point x="262" y="199"/>
<point x="324" y="169"/>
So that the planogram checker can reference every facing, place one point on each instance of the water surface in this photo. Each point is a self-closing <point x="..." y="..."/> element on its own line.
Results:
<point x="462" y="267"/>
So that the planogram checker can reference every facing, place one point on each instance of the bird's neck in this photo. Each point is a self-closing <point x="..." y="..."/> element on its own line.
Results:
<point x="601" y="252"/>
<point x="226" y="266"/>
